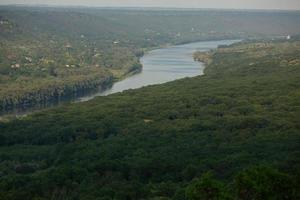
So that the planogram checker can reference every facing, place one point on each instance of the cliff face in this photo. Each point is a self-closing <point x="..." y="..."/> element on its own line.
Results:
<point x="54" y="92"/>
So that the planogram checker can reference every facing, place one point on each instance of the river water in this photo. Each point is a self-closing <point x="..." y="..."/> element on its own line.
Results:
<point x="164" y="65"/>
<point x="159" y="66"/>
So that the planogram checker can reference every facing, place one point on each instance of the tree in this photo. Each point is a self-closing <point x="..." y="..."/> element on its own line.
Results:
<point x="266" y="184"/>
<point x="206" y="188"/>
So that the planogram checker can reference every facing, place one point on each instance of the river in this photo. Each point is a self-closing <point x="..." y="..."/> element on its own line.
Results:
<point x="159" y="66"/>
<point x="164" y="65"/>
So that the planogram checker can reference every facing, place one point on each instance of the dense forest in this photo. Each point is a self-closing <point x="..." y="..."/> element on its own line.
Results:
<point x="232" y="133"/>
<point x="49" y="53"/>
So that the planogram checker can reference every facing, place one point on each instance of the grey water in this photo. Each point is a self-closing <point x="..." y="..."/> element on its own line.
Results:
<point x="164" y="65"/>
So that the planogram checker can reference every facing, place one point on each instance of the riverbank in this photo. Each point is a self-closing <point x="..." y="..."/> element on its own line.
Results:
<point x="242" y="114"/>
<point x="159" y="66"/>
<point x="164" y="65"/>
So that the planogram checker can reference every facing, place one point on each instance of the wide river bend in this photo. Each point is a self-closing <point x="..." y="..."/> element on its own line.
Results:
<point x="164" y="65"/>
<point x="159" y="66"/>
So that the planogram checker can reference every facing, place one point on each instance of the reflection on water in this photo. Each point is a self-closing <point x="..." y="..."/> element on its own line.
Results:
<point x="164" y="65"/>
<point x="27" y="109"/>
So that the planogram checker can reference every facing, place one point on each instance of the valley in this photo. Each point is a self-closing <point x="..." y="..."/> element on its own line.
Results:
<point x="48" y="54"/>
<point x="233" y="127"/>
<point x="188" y="111"/>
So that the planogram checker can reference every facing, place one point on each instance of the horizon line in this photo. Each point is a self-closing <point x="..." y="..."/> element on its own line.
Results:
<point x="148" y="7"/>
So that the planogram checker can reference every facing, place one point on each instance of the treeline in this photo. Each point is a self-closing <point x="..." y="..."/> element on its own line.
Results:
<point x="253" y="183"/>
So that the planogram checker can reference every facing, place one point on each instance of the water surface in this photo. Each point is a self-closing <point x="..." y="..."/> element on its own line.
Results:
<point x="164" y="65"/>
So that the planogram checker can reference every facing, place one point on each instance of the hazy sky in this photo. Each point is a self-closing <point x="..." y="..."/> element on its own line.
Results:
<point x="246" y="4"/>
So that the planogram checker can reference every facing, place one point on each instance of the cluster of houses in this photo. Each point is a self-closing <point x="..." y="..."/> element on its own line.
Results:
<point x="28" y="59"/>
<point x="15" y="66"/>
<point x="3" y="22"/>
<point x="67" y="66"/>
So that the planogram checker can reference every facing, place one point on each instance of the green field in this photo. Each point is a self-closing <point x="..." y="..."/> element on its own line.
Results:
<point x="231" y="134"/>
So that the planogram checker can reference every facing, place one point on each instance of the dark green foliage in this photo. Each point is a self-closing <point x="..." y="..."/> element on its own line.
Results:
<point x="151" y="143"/>
<point x="206" y="188"/>
<point x="266" y="183"/>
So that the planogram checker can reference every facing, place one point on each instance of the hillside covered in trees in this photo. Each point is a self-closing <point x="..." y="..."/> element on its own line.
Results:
<point x="50" y="53"/>
<point x="231" y="134"/>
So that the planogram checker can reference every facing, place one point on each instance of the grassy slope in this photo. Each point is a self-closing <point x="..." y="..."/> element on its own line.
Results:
<point x="153" y="141"/>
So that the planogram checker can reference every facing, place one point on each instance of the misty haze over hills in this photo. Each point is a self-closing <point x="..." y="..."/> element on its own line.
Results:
<point x="219" y="4"/>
